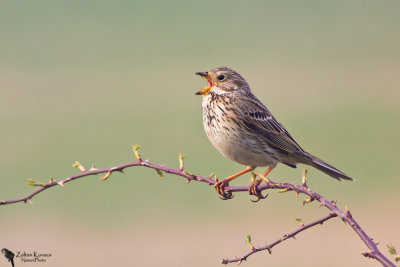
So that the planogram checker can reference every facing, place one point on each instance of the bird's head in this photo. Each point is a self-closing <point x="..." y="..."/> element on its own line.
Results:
<point x="222" y="80"/>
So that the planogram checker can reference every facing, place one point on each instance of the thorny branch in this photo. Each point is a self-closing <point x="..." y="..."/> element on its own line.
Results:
<point x="284" y="237"/>
<point x="373" y="251"/>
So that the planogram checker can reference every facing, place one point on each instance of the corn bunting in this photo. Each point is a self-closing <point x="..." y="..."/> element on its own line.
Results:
<point x="244" y="130"/>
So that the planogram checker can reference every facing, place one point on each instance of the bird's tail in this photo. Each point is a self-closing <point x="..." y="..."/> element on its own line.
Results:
<point x="326" y="168"/>
<point x="12" y="262"/>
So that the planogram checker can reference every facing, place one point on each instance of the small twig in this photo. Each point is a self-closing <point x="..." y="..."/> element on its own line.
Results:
<point x="304" y="178"/>
<point x="181" y="165"/>
<point x="108" y="172"/>
<point x="284" y="237"/>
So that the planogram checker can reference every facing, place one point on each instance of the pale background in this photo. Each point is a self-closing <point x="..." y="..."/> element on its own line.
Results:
<point x="86" y="80"/>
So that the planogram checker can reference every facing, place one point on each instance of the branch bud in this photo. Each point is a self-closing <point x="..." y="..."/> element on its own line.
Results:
<point x="284" y="238"/>
<point x="253" y="177"/>
<point x="248" y="241"/>
<point x="308" y="200"/>
<point x="188" y="173"/>
<point x="79" y="166"/>
<point x="181" y="157"/>
<point x="160" y="173"/>
<point x="300" y="222"/>
<point x="105" y="177"/>
<point x="264" y="178"/>
<point x="392" y="250"/>
<point x="135" y="150"/>
<point x="283" y="190"/>
<point x="304" y="178"/>
<point x="34" y="183"/>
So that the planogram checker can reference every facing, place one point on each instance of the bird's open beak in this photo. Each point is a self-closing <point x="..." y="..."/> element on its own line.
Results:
<point x="205" y="90"/>
<point x="203" y="74"/>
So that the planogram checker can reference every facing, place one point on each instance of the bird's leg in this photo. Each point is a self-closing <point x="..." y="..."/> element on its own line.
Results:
<point x="254" y="183"/>
<point x="220" y="185"/>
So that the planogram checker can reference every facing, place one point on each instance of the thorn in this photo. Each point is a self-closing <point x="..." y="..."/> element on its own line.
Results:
<point x="79" y="166"/>
<point x="181" y="157"/>
<point x="297" y="195"/>
<point x="347" y="208"/>
<point x="188" y="181"/>
<point x="60" y="183"/>
<point x="269" y="251"/>
<point x="30" y="201"/>
<point x="51" y="180"/>
<point x="368" y="254"/>
<point x="93" y="167"/>
<point x="135" y="150"/>
<point x="105" y="177"/>
<point x="211" y="175"/>
<point x="304" y="179"/>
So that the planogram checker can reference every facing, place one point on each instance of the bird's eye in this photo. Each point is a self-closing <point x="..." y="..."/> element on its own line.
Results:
<point x="221" y="77"/>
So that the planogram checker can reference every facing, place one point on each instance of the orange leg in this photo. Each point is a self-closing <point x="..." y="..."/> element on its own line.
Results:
<point x="219" y="186"/>
<point x="253" y="186"/>
<point x="270" y="168"/>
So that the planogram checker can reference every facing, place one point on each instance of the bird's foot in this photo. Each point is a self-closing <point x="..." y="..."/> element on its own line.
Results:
<point x="255" y="192"/>
<point x="220" y="187"/>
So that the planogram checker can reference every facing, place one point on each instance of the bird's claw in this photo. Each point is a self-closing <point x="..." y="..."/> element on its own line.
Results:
<point x="227" y="196"/>
<point x="220" y="187"/>
<point x="255" y="192"/>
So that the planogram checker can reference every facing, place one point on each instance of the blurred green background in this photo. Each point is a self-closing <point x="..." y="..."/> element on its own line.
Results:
<point x="86" y="80"/>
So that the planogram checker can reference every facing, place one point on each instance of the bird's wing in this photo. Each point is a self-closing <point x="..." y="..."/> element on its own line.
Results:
<point x="258" y="119"/>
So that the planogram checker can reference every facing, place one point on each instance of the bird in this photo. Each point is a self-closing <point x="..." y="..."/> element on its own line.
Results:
<point x="9" y="255"/>
<point x="245" y="131"/>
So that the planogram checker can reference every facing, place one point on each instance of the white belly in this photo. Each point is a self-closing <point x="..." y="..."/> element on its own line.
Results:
<point x="232" y="139"/>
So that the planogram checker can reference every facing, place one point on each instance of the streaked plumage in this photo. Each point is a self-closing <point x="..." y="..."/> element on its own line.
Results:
<point x="244" y="130"/>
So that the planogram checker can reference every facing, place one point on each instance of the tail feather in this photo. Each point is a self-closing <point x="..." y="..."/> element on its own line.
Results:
<point x="326" y="168"/>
